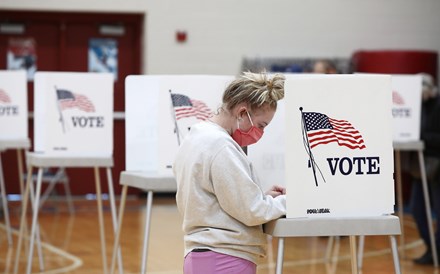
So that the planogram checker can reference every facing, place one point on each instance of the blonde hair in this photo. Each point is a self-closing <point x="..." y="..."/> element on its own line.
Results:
<point x="255" y="89"/>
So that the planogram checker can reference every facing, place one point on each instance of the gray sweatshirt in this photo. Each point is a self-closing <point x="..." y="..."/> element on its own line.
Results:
<point x="219" y="196"/>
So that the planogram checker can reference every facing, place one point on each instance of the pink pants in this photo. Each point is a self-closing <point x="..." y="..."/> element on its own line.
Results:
<point x="210" y="262"/>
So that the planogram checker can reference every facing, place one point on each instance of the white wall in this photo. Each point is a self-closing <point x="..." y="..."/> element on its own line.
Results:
<point x="222" y="32"/>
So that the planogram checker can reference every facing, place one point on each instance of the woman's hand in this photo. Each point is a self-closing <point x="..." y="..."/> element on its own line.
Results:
<point x="276" y="190"/>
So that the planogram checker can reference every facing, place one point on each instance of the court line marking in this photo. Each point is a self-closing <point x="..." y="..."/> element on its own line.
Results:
<point x="76" y="261"/>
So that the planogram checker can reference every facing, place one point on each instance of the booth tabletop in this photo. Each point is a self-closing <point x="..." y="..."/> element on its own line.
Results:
<point x="14" y="144"/>
<point x="148" y="181"/>
<point x="411" y="145"/>
<point x="334" y="226"/>
<point x="43" y="160"/>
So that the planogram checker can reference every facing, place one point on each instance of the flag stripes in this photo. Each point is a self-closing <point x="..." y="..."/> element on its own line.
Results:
<point x="186" y="107"/>
<point x="322" y="129"/>
<point x="397" y="98"/>
<point x="4" y="97"/>
<point x="68" y="99"/>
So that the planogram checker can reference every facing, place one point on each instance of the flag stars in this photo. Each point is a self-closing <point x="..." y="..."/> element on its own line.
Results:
<point x="316" y="121"/>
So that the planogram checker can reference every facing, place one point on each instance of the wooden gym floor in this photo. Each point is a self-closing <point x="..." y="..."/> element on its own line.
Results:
<point x="71" y="243"/>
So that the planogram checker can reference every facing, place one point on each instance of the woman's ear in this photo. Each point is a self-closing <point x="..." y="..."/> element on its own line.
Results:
<point x="241" y="111"/>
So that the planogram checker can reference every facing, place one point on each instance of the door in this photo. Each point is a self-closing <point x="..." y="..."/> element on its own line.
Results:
<point x="61" y="42"/>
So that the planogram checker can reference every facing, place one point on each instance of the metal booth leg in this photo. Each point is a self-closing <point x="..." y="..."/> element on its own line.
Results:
<point x="360" y="254"/>
<point x="146" y="232"/>
<point x="118" y="230"/>
<point x="25" y="199"/>
<point x="395" y="254"/>
<point x="101" y="219"/>
<point x="354" y="266"/>
<point x="280" y="256"/>
<point x="38" y="235"/>
<point x="428" y="207"/>
<point x="34" y="219"/>
<point x="114" y="215"/>
<point x="5" y="204"/>
<point x="398" y="172"/>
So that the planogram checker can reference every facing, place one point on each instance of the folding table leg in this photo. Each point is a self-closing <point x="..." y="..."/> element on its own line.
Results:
<point x="398" y="172"/>
<point x="69" y="196"/>
<point x="114" y="215"/>
<point x="360" y="254"/>
<point x="5" y="204"/>
<point x="38" y="235"/>
<point x="8" y="259"/>
<point x="20" y="170"/>
<point x="21" y="181"/>
<point x="49" y="189"/>
<point x="101" y="219"/>
<point x="25" y="199"/>
<point x="34" y="220"/>
<point x="280" y="256"/>
<point x="428" y="208"/>
<point x="395" y="254"/>
<point x="146" y="233"/>
<point x="354" y="265"/>
<point x="328" y="250"/>
<point x="118" y="230"/>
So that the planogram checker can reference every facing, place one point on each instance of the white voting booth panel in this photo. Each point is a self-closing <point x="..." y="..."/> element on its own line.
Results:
<point x="73" y="113"/>
<point x="339" y="159"/>
<point x="406" y="107"/>
<point x="13" y="105"/>
<point x="269" y="159"/>
<point x="152" y="132"/>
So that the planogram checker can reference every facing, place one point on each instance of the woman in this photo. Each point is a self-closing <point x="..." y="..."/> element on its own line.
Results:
<point x="218" y="194"/>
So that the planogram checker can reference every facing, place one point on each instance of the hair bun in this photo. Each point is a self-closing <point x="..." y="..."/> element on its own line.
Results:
<point x="275" y="86"/>
<point x="269" y="85"/>
<point x="255" y="89"/>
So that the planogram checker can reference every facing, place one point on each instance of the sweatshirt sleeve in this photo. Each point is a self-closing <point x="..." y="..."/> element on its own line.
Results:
<point x="238" y="194"/>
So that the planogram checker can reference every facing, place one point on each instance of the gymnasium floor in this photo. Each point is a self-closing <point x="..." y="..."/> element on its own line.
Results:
<point x="71" y="243"/>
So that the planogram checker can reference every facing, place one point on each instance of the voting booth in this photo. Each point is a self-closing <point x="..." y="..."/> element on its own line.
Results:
<point x="13" y="105"/>
<point x="407" y="104"/>
<point x="73" y="113"/>
<point x="73" y="128"/>
<point x="339" y="159"/>
<point x="406" y="107"/>
<point x="14" y="128"/>
<point x="160" y="110"/>
<point x="330" y="144"/>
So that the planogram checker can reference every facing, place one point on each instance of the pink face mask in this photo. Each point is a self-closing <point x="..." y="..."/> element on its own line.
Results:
<point x="247" y="138"/>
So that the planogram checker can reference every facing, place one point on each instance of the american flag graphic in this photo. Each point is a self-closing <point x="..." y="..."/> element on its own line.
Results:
<point x="186" y="107"/>
<point x="68" y="99"/>
<point x="397" y="99"/>
<point x="4" y="97"/>
<point x="322" y="129"/>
